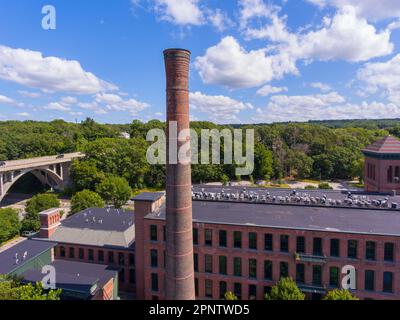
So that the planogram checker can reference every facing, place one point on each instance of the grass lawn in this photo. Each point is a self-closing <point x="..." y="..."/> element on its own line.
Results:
<point x="135" y="192"/>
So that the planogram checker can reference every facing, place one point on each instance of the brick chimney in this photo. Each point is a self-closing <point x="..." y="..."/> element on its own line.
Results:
<point x="179" y="244"/>
<point x="49" y="222"/>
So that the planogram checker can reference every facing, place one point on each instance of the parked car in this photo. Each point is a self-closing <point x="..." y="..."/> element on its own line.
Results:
<point x="2" y="163"/>
<point x="60" y="156"/>
<point x="28" y="234"/>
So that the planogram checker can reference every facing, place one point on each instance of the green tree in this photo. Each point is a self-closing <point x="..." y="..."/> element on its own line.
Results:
<point x="115" y="190"/>
<point x="9" y="224"/>
<point x="42" y="202"/>
<point x="230" y="296"/>
<point x="12" y="289"/>
<point x="86" y="199"/>
<point x="224" y="180"/>
<point x="85" y="175"/>
<point x="286" y="289"/>
<point x="263" y="160"/>
<point x="340" y="295"/>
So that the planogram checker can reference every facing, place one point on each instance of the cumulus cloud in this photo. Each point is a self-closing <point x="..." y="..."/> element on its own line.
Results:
<point x="29" y="94"/>
<point x="57" y="106"/>
<point x="114" y="102"/>
<point x="267" y="90"/>
<point x="32" y="69"/>
<point x="6" y="100"/>
<point x="221" y="109"/>
<point x="180" y="12"/>
<point x="321" y="86"/>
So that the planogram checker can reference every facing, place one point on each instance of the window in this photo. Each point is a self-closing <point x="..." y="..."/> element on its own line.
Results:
<point x="253" y="241"/>
<point x="72" y="253"/>
<point x="335" y="248"/>
<point x="164" y="259"/>
<point x="208" y="263"/>
<point x="369" y="280"/>
<point x="370" y="250"/>
<point x="81" y="254"/>
<point x="237" y="290"/>
<point x="237" y="239"/>
<point x="154" y="282"/>
<point x="196" y="287"/>
<point x="237" y="267"/>
<point x="196" y="262"/>
<point x="301" y="245"/>
<point x="223" y="261"/>
<point x="209" y="288"/>
<point x="121" y="275"/>
<point x="267" y="270"/>
<point x="252" y="268"/>
<point x="131" y="259"/>
<point x="222" y="238"/>
<point x="252" y="292"/>
<point x="121" y="258"/>
<point x="390" y="174"/>
<point x="317" y="275"/>
<point x="90" y="254"/>
<point x="132" y="276"/>
<point x="195" y="236"/>
<point x="153" y="233"/>
<point x="267" y="290"/>
<point x="110" y="257"/>
<point x="154" y="258"/>
<point x="284" y="243"/>
<point x="334" y="277"/>
<point x="62" y="252"/>
<point x="284" y="269"/>
<point x="352" y="249"/>
<point x="164" y="233"/>
<point x="388" y="282"/>
<point x="100" y="255"/>
<point x="300" y="273"/>
<point x="317" y="246"/>
<point x="268" y="242"/>
<point x="223" y="288"/>
<point x="208" y="237"/>
<point x="389" y="251"/>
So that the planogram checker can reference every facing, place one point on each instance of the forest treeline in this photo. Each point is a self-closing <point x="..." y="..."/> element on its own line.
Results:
<point x="320" y="150"/>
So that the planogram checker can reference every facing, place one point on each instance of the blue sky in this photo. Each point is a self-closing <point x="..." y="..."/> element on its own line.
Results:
<point x="252" y="60"/>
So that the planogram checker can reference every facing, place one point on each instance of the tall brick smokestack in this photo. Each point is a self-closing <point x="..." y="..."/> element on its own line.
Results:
<point x="179" y="268"/>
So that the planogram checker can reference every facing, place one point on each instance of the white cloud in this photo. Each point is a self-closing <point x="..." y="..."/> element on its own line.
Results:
<point x="220" y="108"/>
<point x="230" y="65"/>
<point x="31" y="69"/>
<point x="6" y="100"/>
<point x="69" y="100"/>
<point x="92" y="106"/>
<point x="23" y="114"/>
<point x="250" y="9"/>
<point x="220" y="20"/>
<point x="267" y="90"/>
<point x="57" y="106"/>
<point x="180" y="12"/>
<point x="29" y="94"/>
<point x="321" y="86"/>
<point x="116" y="103"/>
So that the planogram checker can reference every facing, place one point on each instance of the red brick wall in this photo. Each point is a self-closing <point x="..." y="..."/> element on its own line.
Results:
<point x="380" y="184"/>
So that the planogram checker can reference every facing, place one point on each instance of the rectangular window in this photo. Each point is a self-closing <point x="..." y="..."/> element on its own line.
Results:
<point x="110" y="257"/>
<point x="223" y="288"/>
<point x="121" y="258"/>
<point x="196" y="287"/>
<point x="267" y="270"/>
<point x="252" y="292"/>
<point x="100" y="255"/>
<point x="300" y="273"/>
<point x="196" y="262"/>
<point x="301" y="244"/>
<point x="62" y="252"/>
<point x="284" y="269"/>
<point x="72" y="253"/>
<point x="90" y="255"/>
<point x="335" y="248"/>
<point x="237" y="290"/>
<point x="389" y="251"/>
<point x="369" y="280"/>
<point x="208" y="237"/>
<point x="164" y="233"/>
<point x="237" y="267"/>
<point x="81" y="254"/>
<point x="153" y="233"/>
<point x="317" y="247"/>
<point x="154" y="258"/>
<point x="121" y="275"/>
<point x="131" y="260"/>
<point x="237" y="239"/>
<point x="195" y="236"/>
<point x="352" y="246"/>
<point x="252" y="268"/>
<point x="209" y="288"/>
<point x="370" y="250"/>
<point x="284" y="243"/>
<point x="317" y="275"/>
<point x="388" y="282"/>
<point x="334" y="277"/>
<point x="154" y="282"/>
<point x="222" y="238"/>
<point x="268" y="242"/>
<point x="253" y="241"/>
<point x="132" y="276"/>
<point x="208" y="263"/>
<point x="223" y="268"/>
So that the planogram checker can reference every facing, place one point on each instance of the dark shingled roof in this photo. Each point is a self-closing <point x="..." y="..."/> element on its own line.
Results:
<point x="148" y="196"/>
<point x="387" y="145"/>
<point x="33" y="248"/>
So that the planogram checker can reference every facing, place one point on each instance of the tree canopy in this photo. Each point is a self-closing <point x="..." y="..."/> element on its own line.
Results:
<point x="340" y="295"/>
<point x="286" y="289"/>
<point x="86" y="199"/>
